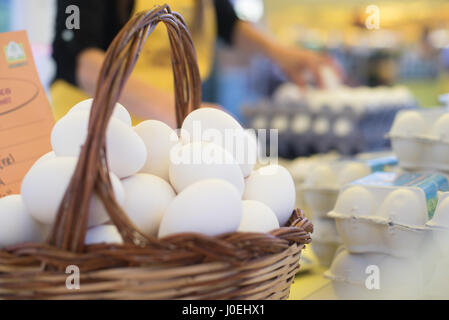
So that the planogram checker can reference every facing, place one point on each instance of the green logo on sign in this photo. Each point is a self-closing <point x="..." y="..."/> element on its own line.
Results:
<point x="14" y="52"/>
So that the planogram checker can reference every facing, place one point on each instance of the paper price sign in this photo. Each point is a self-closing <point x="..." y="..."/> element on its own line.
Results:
<point x="26" y="119"/>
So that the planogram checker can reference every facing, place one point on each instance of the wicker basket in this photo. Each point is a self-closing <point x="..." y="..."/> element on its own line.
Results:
<point x="182" y="266"/>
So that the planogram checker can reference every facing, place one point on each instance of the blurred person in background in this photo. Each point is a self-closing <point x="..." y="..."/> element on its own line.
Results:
<point x="79" y="54"/>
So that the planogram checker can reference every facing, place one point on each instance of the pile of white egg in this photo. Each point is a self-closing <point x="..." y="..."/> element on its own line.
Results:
<point x="167" y="182"/>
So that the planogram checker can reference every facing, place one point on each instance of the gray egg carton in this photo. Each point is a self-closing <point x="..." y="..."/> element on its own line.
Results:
<point x="303" y="131"/>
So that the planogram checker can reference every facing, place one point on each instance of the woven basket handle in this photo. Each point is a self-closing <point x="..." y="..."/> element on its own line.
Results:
<point x="92" y="174"/>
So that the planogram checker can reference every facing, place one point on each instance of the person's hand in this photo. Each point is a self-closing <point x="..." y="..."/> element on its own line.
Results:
<point x="296" y="63"/>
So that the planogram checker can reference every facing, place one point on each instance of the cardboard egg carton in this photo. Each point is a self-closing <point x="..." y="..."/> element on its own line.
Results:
<point x="318" y="183"/>
<point x="325" y="240"/>
<point x="323" y="181"/>
<point x="299" y="169"/>
<point x="420" y="139"/>
<point x="376" y="276"/>
<point x="439" y="249"/>
<point x="387" y="212"/>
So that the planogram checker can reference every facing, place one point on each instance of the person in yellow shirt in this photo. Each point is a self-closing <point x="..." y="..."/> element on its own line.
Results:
<point x="79" y="53"/>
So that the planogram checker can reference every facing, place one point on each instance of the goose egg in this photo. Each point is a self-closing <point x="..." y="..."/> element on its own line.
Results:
<point x="203" y="160"/>
<point x="272" y="185"/>
<point x="103" y="234"/>
<point x="211" y="207"/>
<point x="159" y="139"/>
<point x="16" y="224"/>
<point x="44" y="186"/>
<point x="257" y="217"/>
<point x="147" y="198"/>
<point x="126" y="151"/>
<point x="119" y="112"/>
<point x="213" y="125"/>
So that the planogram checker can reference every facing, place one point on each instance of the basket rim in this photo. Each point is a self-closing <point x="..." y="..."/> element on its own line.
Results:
<point x="236" y="248"/>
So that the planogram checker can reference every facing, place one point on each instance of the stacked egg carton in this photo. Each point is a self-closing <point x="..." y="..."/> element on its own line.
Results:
<point x="319" y="192"/>
<point x="300" y="168"/>
<point x="421" y="139"/>
<point x="387" y="251"/>
<point x="438" y="286"/>
<point x="348" y="120"/>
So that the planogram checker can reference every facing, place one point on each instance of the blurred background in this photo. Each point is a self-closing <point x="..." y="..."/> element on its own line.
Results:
<point x="408" y="51"/>
<point x="395" y="58"/>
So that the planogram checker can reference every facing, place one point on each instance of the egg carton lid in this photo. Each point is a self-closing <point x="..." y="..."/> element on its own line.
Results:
<point x="376" y="220"/>
<point x="429" y="115"/>
<point x="380" y="185"/>
<point x="423" y="138"/>
<point x="320" y="189"/>
<point x="340" y="169"/>
<point x="300" y="166"/>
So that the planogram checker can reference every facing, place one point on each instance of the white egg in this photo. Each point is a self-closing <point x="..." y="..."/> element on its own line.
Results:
<point x="257" y="217"/>
<point x="16" y="224"/>
<point x="202" y="160"/>
<point x="246" y="151"/>
<point x="301" y="123"/>
<point x="342" y="127"/>
<point x="45" y="157"/>
<point x="147" y="198"/>
<point x="211" y="207"/>
<point x="126" y="151"/>
<point x="213" y="125"/>
<point x="329" y="77"/>
<point x="288" y="93"/>
<point x="159" y="139"/>
<point x="103" y="234"/>
<point x="272" y="185"/>
<point x="97" y="212"/>
<point x="119" y="112"/>
<point x="44" y="186"/>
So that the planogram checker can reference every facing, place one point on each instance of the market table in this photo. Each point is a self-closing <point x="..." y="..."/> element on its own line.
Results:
<point x="310" y="283"/>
